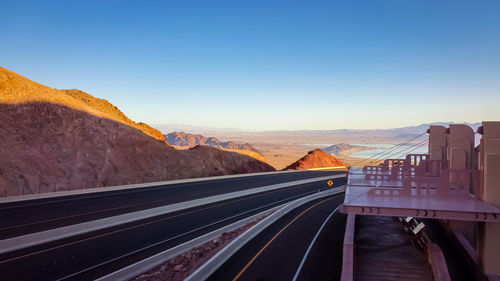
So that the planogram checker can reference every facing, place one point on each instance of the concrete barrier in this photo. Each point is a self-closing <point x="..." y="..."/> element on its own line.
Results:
<point x="203" y="272"/>
<point x="143" y="266"/>
<point x="438" y="263"/>
<point x="329" y="168"/>
<point x="28" y="197"/>
<point x="28" y="240"/>
<point x="348" y="250"/>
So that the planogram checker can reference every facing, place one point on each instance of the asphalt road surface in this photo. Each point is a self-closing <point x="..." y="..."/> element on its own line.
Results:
<point x="279" y="252"/>
<point x="20" y="218"/>
<point x="94" y="254"/>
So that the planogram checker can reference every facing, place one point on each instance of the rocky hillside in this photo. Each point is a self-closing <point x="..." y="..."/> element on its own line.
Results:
<point x="344" y="148"/>
<point x="315" y="159"/>
<point x="112" y="112"/>
<point x="55" y="140"/>
<point x="190" y="140"/>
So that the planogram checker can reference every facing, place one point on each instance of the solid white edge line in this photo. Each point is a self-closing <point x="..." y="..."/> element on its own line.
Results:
<point x="311" y="245"/>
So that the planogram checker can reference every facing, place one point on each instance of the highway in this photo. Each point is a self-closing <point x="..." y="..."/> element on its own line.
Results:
<point x="279" y="252"/>
<point x="94" y="254"/>
<point x="20" y="218"/>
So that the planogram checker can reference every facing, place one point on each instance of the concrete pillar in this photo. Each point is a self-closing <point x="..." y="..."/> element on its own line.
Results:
<point x="438" y="143"/>
<point x="489" y="166"/>
<point x="460" y="147"/>
<point x="460" y="156"/>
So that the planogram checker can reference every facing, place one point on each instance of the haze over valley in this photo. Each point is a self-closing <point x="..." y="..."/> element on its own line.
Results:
<point x="281" y="148"/>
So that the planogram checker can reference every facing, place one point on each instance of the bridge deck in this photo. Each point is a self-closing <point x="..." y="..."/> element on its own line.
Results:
<point x="384" y="252"/>
<point x="388" y="198"/>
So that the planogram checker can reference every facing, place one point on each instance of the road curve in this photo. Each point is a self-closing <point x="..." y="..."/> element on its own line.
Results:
<point x="21" y="218"/>
<point x="94" y="254"/>
<point x="279" y="252"/>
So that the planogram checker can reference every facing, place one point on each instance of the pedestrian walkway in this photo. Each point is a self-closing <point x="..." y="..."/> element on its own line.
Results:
<point x="384" y="251"/>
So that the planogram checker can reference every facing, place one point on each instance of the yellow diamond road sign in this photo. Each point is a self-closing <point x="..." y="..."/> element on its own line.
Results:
<point x="330" y="183"/>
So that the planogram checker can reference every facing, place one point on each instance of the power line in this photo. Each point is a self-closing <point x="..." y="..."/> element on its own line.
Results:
<point x="389" y="150"/>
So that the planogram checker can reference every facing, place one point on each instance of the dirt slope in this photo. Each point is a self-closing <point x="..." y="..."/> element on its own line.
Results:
<point x="112" y="112"/>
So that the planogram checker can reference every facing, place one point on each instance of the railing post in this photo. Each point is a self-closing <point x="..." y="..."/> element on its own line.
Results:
<point x="438" y="142"/>
<point x="348" y="250"/>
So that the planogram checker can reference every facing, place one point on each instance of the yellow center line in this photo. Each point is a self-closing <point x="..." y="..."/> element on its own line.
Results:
<point x="272" y="239"/>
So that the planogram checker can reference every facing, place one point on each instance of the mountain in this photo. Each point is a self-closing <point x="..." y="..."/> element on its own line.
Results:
<point x="54" y="140"/>
<point x="186" y="139"/>
<point x="16" y="89"/>
<point x="344" y="148"/>
<point x="315" y="159"/>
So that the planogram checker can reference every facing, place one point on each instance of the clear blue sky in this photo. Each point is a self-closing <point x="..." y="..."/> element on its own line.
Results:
<point x="265" y="65"/>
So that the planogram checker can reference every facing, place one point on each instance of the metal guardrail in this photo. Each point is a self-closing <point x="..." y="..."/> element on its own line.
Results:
<point x="348" y="250"/>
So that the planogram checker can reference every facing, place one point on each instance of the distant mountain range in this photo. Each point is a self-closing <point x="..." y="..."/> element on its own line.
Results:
<point x="192" y="140"/>
<point x="182" y="140"/>
<point x="320" y="137"/>
<point x="408" y="130"/>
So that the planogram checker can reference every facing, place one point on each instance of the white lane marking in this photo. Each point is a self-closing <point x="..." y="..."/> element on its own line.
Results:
<point x="311" y="245"/>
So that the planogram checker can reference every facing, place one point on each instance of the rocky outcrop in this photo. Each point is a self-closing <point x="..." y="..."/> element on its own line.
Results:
<point x="315" y="159"/>
<point x="51" y="141"/>
<point x="344" y="149"/>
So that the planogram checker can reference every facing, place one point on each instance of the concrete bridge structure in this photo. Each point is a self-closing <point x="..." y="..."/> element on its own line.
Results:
<point x="457" y="184"/>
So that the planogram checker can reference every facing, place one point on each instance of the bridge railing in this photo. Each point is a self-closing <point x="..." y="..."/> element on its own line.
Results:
<point x="449" y="183"/>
